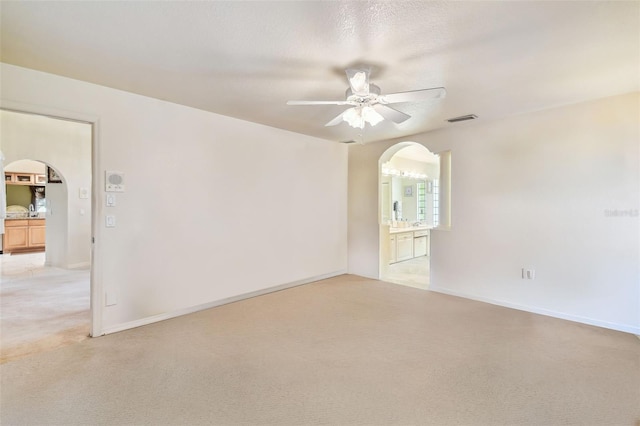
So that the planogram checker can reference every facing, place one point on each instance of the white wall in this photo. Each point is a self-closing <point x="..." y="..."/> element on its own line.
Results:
<point x="66" y="146"/>
<point x="25" y="166"/>
<point x="537" y="190"/>
<point x="432" y="170"/>
<point x="288" y="194"/>
<point x="58" y="229"/>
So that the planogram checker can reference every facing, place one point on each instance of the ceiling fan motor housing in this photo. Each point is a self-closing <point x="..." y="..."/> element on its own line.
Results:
<point x="371" y="98"/>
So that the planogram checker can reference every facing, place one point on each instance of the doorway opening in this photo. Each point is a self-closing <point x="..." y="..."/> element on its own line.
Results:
<point x="409" y="209"/>
<point x="46" y="267"/>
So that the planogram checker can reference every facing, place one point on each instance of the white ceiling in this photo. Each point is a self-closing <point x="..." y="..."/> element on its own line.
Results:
<point x="246" y="59"/>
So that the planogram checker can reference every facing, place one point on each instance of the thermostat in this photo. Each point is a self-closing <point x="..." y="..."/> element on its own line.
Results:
<point x="114" y="182"/>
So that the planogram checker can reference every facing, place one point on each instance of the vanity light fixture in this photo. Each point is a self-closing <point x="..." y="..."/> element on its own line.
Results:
<point x="386" y="171"/>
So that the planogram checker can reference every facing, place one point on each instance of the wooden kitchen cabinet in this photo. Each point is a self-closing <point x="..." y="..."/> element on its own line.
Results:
<point x="16" y="235"/>
<point x="24" y="235"/>
<point x="24" y="178"/>
<point x="37" y="233"/>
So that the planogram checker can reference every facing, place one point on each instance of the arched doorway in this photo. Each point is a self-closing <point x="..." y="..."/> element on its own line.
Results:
<point x="37" y="191"/>
<point x="25" y="203"/>
<point x="408" y="209"/>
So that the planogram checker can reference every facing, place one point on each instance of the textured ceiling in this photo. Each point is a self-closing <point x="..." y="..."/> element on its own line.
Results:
<point x="246" y="59"/>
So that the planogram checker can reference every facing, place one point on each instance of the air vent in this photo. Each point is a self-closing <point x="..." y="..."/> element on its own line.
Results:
<point x="462" y="118"/>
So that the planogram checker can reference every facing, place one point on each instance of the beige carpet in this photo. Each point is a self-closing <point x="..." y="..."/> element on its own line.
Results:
<point x="344" y="351"/>
<point x="41" y="308"/>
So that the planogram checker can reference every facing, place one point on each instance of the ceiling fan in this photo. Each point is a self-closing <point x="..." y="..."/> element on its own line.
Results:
<point x="368" y="105"/>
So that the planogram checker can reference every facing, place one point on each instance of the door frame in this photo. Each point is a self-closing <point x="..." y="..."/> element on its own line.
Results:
<point x="96" y="305"/>
<point x="383" y="229"/>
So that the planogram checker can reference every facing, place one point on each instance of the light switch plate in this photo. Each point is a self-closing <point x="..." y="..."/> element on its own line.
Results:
<point x="110" y="221"/>
<point x="83" y="193"/>
<point x="110" y="200"/>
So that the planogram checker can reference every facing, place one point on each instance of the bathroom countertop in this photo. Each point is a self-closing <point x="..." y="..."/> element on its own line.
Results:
<point x="408" y="229"/>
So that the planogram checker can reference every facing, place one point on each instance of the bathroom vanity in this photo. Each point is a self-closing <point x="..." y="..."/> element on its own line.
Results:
<point x="408" y="243"/>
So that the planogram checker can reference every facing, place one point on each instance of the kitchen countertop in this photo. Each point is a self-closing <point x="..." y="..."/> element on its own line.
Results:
<point x="23" y="218"/>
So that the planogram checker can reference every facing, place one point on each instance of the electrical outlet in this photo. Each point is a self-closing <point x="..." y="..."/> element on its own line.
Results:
<point x="110" y="298"/>
<point x="528" y="273"/>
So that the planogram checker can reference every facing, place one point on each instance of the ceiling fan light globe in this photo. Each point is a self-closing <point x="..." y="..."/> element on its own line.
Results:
<point x="354" y="118"/>
<point x="358" y="116"/>
<point x="371" y="116"/>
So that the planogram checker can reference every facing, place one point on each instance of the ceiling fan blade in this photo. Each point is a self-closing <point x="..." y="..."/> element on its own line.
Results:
<point x="413" y="96"/>
<point x="391" y="114"/>
<point x="358" y="79"/>
<point x="317" y="103"/>
<point x="335" y="121"/>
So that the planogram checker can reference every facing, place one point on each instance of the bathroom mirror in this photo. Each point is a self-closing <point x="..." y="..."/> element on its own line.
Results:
<point x="406" y="187"/>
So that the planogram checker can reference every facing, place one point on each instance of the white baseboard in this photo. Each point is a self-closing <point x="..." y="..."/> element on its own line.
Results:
<point x="575" y="318"/>
<point x="81" y="265"/>
<point x="197" y="308"/>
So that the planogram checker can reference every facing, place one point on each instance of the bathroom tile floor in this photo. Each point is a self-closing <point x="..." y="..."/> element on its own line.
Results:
<point x="412" y="273"/>
<point x="41" y="307"/>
